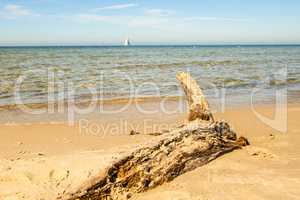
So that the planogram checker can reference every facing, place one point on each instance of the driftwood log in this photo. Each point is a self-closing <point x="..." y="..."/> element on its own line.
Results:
<point x="169" y="155"/>
<point x="198" y="106"/>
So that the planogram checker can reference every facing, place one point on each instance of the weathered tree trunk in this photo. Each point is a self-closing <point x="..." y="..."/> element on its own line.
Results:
<point x="198" y="106"/>
<point x="168" y="156"/>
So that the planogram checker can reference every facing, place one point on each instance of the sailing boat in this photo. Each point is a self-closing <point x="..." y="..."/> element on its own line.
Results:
<point x="127" y="42"/>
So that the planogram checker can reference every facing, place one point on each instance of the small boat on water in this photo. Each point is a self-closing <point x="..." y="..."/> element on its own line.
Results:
<point x="127" y="42"/>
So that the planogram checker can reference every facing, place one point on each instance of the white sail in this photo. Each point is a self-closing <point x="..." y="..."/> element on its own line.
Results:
<point x="127" y="42"/>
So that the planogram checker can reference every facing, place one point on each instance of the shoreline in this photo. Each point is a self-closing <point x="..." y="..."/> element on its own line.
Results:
<point x="58" y="112"/>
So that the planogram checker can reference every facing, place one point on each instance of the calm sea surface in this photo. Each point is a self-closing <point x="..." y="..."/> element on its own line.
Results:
<point x="32" y="73"/>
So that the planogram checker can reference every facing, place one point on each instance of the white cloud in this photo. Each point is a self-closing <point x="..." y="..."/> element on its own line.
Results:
<point x="16" y="10"/>
<point x="159" y="12"/>
<point x="161" y="19"/>
<point x="130" y="21"/>
<point x="116" y="7"/>
<point x="217" y="19"/>
<point x="142" y="21"/>
<point x="13" y="11"/>
<point x="95" y="18"/>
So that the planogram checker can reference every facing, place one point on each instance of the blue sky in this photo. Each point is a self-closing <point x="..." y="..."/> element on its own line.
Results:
<point x="149" y="22"/>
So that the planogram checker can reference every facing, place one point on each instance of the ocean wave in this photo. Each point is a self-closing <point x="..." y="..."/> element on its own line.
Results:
<point x="86" y="102"/>
<point x="208" y="63"/>
<point x="288" y="81"/>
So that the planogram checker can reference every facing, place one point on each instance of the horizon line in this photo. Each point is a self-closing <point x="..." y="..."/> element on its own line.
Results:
<point x="145" y="44"/>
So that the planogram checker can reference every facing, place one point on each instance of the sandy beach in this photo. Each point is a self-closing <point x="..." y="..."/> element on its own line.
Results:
<point x="46" y="161"/>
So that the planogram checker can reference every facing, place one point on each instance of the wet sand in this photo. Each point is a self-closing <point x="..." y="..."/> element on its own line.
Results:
<point x="47" y="160"/>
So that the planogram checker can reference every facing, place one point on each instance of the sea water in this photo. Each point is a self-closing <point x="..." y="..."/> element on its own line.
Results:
<point x="32" y="74"/>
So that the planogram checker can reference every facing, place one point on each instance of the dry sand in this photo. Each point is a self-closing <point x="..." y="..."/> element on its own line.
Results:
<point x="44" y="161"/>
